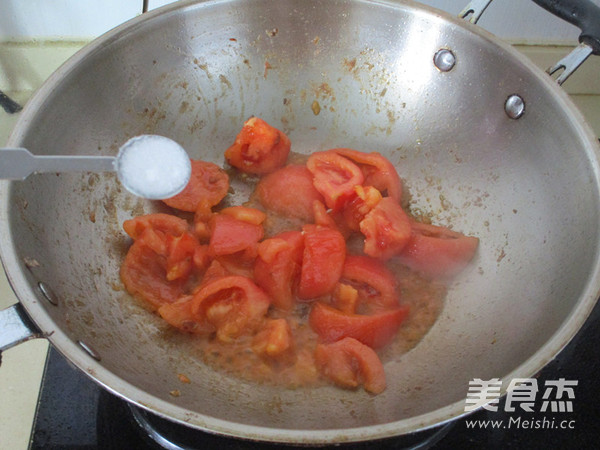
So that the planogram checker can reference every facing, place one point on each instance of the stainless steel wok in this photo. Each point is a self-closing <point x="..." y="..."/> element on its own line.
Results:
<point x="357" y="74"/>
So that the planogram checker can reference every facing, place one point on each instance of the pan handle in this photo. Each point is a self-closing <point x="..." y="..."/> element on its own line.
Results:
<point x="16" y="327"/>
<point x="585" y="15"/>
<point x="8" y="104"/>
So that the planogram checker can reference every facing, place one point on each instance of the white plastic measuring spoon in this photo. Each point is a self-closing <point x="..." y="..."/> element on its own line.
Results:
<point x="150" y="166"/>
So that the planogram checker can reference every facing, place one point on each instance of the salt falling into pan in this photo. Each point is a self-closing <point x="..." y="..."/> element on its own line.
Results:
<point x="153" y="167"/>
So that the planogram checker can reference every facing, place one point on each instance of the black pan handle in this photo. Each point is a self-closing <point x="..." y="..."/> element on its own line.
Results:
<point x="584" y="14"/>
<point x="8" y="104"/>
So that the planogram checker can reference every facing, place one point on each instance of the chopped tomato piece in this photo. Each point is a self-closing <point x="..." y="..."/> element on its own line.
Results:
<point x="378" y="171"/>
<point x="202" y="231"/>
<point x="355" y="210"/>
<point x="156" y="240"/>
<point x="322" y="261"/>
<point x="201" y="258"/>
<point x="180" y="256"/>
<point x="144" y="275"/>
<point x="275" y="340"/>
<point x="165" y="223"/>
<point x="215" y="270"/>
<point x="330" y="219"/>
<point x="386" y="228"/>
<point x="259" y="148"/>
<point x="374" y="330"/>
<point x="349" y="364"/>
<point x="233" y="304"/>
<point x="201" y="225"/>
<point x="277" y="267"/>
<point x="438" y="251"/>
<point x="230" y="235"/>
<point x="240" y="263"/>
<point x="208" y="183"/>
<point x="245" y="214"/>
<point x="375" y="284"/>
<point x="289" y="191"/>
<point x="179" y="314"/>
<point x="322" y="217"/>
<point x="345" y="298"/>
<point x="334" y="177"/>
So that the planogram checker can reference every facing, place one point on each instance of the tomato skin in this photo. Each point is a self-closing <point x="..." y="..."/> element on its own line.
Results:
<point x="378" y="171"/>
<point x="334" y="177"/>
<point x="240" y="263"/>
<point x="233" y="304"/>
<point x="321" y="216"/>
<point x="144" y="275"/>
<point x="355" y="209"/>
<point x="289" y="191"/>
<point x="322" y="261"/>
<point x="437" y="251"/>
<point x="179" y="314"/>
<point x="156" y="240"/>
<point x="208" y="183"/>
<point x="230" y="235"/>
<point x="349" y="363"/>
<point x="259" y="148"/>
<point x="245" y="214"/>
<point x="214" y="271"/>
<point x="375" y="330"/>
<point x="165" y="223"/>
<point x="201" y="223"/>
<point x="374" y="282"/>
<point x="387" y="229"/>
<point x="180" y="257"/>
<point x="277" y="267"/>
<point x="201" y="258"/>
<point x="274" y="341"/>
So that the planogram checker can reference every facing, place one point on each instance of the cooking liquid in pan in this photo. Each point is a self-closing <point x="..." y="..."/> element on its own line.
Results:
<point x="424" y="298"/>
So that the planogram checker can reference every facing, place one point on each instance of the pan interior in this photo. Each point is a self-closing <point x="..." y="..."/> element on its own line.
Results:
<point x="330" y="74"/>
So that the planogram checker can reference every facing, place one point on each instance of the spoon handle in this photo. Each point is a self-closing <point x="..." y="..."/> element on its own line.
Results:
<point x="19" y="163"/>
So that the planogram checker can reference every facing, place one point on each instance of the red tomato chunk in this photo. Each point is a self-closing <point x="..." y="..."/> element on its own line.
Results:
<point x="377" y="170"/>
<point x="230" y="235"/>
<point x="335" y="177"/>
<point x="259" y="148"/>
<point x="438" y="251"/>
<point x="144" y="274"/>
<point x="277" y="267"/>
<point x="349" y="364"/>
<point x="208" y="183"/>
<point x="375" y="330"/>
<point x="386" y="228"/>
<point x="233" y="305"/>
<point x="322" y="261"/>
<point x="289" y="191"/>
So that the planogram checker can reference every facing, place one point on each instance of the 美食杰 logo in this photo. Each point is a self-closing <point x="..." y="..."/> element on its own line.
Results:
<point x="524" y="394"/>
